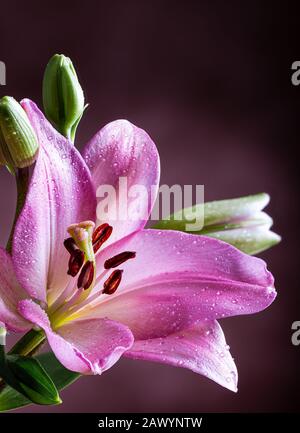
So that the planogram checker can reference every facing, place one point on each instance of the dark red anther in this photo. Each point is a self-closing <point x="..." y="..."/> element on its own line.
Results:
<point x="117" y="260"/>
<point x="86" y="276"/>
<point x="70" y="245"/>
<point x="112" y="282"/>
<point x="75" y="262"/>
<point x="100" y="235"/>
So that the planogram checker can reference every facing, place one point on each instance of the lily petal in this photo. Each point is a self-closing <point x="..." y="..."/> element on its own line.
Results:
<point x="87" y="347"/>
<point x="10" y="294"/>
<point x="60" y="193"/>
<point x="122" y="150"/>
<point x="201" y="348"/>
<point x="177" y="279"/>
<point x="159" y="253"/>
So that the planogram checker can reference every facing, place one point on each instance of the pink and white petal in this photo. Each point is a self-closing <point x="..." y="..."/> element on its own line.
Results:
<point x="201" y="348"/>
<point x="123" y="151"/>
<point x="161" y="253"/>
<point x="10" y="294"/>
<point x="164" y="307"/>
<point x="60" y="193"/>
<point x="178" y="279"/>
<point x="87" y="347"/>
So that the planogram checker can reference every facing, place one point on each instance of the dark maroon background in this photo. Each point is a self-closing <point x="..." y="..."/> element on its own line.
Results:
<point x="210" y="82"/>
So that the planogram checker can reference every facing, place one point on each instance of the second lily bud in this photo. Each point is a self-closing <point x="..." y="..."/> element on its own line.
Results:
<point x="239" y="222"/>
<point x="18" y="142"/>
<point x="62" y="95"/>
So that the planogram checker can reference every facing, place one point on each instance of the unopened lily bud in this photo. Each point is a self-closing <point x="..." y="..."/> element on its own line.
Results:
<point x="62" y="95"/>
<point x="239" y="222"/>
<point x="18" y="143"/>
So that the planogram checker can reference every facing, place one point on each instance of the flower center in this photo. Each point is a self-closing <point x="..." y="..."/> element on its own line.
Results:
<point x="83" y="244"/>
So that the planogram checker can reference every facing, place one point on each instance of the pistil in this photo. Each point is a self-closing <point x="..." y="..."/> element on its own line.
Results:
<point x="84" y="256"/>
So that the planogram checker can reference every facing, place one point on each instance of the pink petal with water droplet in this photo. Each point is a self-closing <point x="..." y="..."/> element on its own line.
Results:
<point x="87" y="347"/>
<point x="122" y="150"/>
<point x="162" y="291"/>
<point x="201" y="348"/>
<point x="60" y="193"/>
<point x="10" y="294"/>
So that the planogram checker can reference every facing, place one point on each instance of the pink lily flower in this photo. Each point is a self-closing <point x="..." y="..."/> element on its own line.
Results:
<point x="119" y="289"/>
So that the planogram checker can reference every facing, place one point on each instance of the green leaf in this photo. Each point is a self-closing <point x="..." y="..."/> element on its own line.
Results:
<point x="12" y="399"/>
<point x="32" y="380"/>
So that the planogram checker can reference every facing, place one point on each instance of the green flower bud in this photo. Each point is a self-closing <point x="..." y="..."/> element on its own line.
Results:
<point x="62" y="95"/>
<point x="239" y="222"/>
<point x="18" y="142"/>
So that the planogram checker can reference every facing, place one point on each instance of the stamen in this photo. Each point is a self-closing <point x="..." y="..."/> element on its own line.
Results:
<point x="117" y="260"/>
<point x="86" y="276"/>
<point x="75" y="262"/>
<point x="70" y="245"/>
<point x="112" y="282"/>
<point x="100" y="235"/>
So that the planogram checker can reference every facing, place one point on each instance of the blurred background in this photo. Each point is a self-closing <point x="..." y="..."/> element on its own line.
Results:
<point x="210" y="81"/>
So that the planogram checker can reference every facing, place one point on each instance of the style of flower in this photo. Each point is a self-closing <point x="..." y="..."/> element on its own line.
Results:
<point x="105" y="289"/>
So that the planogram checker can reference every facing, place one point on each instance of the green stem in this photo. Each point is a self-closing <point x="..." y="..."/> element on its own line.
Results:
<point x="29" y="343"/>
<point x="22" y="181"/>
<point x="2" y="360"/>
